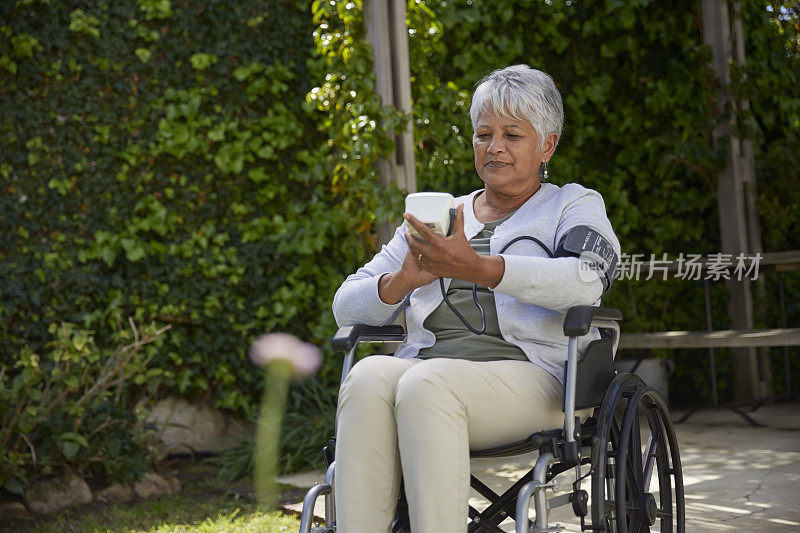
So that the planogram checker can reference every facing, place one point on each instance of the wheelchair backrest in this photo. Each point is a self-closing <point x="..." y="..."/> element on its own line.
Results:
<point x="595" y="373"/>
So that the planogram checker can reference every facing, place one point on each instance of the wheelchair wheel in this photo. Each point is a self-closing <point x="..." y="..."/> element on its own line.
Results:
<point x="637" y="483"/>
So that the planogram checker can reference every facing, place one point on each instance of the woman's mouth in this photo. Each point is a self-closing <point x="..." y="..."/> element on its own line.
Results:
<point x="497" y="164"/>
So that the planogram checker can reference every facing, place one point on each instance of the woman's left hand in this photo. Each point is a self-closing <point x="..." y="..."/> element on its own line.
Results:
<point x="452" y="256"/>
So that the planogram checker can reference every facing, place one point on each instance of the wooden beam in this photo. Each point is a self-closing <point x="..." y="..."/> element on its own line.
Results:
<point x="731" y="201"/>
<point x="783" y="261"/>
<point x="787" y="261"/>
<point x="729" y="338"/>
<point x="401" y="89"/>
<point x="387" y="33"/>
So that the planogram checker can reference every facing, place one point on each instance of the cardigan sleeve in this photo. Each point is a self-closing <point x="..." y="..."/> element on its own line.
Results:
<point x="556" y="284"/>
<point x="357" y="300"/>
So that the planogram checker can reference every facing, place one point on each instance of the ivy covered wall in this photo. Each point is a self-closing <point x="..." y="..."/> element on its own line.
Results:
<point x="159" y="161"/>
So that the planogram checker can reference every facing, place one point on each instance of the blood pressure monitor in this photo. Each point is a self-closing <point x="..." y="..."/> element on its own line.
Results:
<point x="432" y="209"/>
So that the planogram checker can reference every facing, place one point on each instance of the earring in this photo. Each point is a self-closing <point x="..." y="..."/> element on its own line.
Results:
<point x="543" y="171"/>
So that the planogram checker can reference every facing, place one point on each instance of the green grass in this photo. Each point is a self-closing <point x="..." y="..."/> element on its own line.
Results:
<point x="171" y="514"/>
<point x="205" y="505"/>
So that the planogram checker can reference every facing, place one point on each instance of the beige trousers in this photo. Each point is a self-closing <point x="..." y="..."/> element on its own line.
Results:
<point x="420" y="419"/>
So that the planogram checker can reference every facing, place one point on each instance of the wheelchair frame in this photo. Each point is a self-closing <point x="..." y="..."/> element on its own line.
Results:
<point x="609" y="442"/>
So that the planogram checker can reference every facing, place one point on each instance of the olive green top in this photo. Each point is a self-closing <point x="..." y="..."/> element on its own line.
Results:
<point x="453" y="338"/>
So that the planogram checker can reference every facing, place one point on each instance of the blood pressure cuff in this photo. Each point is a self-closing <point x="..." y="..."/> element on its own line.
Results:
<point x="596" y="252"/>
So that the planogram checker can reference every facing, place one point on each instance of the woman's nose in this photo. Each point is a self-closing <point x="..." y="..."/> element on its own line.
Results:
<point x="496" y="145"/>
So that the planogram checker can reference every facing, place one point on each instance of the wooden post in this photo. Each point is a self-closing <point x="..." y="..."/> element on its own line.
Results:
<point x="387" y="32"/>
<point x="735" y="190"/>
<point x="748" y="169"/>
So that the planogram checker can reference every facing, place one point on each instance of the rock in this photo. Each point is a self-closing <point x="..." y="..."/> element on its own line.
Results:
<point x="52" y="494"/>
<point x="175" y="483"/>
<point x="150" y="485"/>
<point x="153" y="485"/>
<point x="187" y="428"/>
<point x="116" y="493"/>
<point x="11" y="510"/>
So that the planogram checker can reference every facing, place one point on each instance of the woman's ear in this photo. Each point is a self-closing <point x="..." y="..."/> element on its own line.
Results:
<point x="549" y="146"/>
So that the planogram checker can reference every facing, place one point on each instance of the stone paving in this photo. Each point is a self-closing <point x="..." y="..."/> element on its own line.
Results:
<point x="737" y="477"/>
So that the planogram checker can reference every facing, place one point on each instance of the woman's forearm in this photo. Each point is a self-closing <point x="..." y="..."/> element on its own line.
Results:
<point x="489" y="271"/>
<point x="357" y="302"/>
<point x="393" y="288"/>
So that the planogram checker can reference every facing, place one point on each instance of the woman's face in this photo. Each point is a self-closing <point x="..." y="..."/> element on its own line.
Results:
<point x="507" y="154"/>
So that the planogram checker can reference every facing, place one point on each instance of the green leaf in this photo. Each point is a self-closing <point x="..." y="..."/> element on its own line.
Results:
<point x="80" y="22"/>
<point x="217" y="133"/>
<point x="79" y="340"/>
<point x="25" y="45"/>
<point x="13" y="485"/>
<point x="201" y="61"/>
<point x="72" y="381"/>
<point x="266" y="152"/>
<point x="109" y="255"/>
<point x="75" y="437"/>
<point x="134" y="249"/>
<point x="70" y="448"/>
<point x="155" y="9"/>
<point x="143" y="54"/>
<point x="8" y="64"/>
<point x="258" y="174"/>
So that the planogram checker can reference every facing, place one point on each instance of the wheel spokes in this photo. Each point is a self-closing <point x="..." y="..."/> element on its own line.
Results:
<point x="630" y="464"/>
<point x="652" y="449"/>
<point x="635" y="452"/>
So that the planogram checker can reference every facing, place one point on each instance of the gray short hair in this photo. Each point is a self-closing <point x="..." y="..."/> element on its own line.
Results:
<point x="522" y="93"/>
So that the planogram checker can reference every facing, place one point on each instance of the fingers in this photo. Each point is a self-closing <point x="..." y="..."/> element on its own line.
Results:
<point x="458" y="223"/>
<point x="417" y="263"/>
<point x="414" y="245"/>
<point x="434" y="253"/>
<point x="424" y="231"/>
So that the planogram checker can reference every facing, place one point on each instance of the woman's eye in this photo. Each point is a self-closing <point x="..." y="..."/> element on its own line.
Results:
<point x="512" y="136"/>
<point x="482" y="135"/>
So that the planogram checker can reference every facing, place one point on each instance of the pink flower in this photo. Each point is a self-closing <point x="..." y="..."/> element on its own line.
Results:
<point x="304" y="357"/>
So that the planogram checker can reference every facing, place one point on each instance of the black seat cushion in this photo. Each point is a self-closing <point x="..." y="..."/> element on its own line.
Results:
<point x="528" y="444"/>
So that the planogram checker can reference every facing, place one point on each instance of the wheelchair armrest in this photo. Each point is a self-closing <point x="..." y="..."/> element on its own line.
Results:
<point x="581" y="317"/>
<point x="348" y="336"/>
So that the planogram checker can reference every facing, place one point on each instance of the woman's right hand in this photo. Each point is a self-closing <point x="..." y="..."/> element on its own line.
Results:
<point x="393" y="287"/>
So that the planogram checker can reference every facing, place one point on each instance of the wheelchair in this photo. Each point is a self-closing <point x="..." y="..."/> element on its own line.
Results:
<point x="626" y="449"/>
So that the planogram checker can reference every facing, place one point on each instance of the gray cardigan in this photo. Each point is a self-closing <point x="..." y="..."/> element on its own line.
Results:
<point x="531" y="298"/>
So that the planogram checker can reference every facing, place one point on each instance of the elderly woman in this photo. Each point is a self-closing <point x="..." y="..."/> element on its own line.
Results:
<point x="450" y="386"/>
